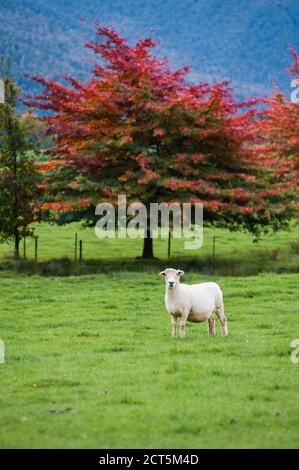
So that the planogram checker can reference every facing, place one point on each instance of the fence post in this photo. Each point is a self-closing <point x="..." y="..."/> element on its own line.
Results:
<point x="80" y="250"/>
<point x="24" y="248"/>
<point x="169" y="243"/>
<point x="76" y="245"/>
<point x="214" y="253"/>
<point x="35" y="248"/>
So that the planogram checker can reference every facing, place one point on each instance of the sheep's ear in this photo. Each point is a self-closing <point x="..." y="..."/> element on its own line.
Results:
<point x="162" y="273"/>
<point x="180" y="272"/>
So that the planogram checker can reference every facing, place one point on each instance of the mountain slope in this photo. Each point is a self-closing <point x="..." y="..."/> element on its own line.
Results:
<point x="241" y="40"/>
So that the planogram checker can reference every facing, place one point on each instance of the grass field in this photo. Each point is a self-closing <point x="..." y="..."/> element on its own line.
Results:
<point x="101" y="346"/>
<point x="236" y="254"/>
<point x="90" y="361"/>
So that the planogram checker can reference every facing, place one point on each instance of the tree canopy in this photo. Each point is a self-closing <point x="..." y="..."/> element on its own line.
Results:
<point x="140" y="128"/>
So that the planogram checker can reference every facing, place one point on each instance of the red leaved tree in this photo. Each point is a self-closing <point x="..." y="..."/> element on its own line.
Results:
<point x="138" y="127"/>
<point x="277" y="143"/>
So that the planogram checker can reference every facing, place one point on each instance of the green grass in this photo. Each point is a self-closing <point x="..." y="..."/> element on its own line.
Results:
<point x="236" y="254"/>
<point x="90" y="361"/>
<point x="101" y="345"/>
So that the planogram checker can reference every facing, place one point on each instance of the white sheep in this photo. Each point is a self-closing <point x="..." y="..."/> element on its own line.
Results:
<point x="195" y="302"/>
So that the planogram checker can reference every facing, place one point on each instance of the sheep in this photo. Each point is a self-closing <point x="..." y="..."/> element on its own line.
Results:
<point x="195" y="302"/>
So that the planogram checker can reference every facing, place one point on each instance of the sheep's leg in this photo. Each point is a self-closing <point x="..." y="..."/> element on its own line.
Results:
<point x="173" y="324"/>
<point x="182" y="323"/>
<point x="211" y="326"/>
<point x="223" y="321"/>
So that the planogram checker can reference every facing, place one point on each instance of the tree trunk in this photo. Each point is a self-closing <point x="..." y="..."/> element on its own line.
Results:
<point x="15" y="206"/>
<point x="15" y="211"/>
<point x="17" y="244"/>
<point x="148" y="251"/>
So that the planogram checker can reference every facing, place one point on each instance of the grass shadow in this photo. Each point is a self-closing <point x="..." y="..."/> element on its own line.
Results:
<point x="222" y="266"/>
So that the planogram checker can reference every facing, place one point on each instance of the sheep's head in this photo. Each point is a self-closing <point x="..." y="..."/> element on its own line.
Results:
<point x="172" y="276"/>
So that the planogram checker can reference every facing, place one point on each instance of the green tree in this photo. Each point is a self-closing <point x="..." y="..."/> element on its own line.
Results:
<point x="19" y="177"/>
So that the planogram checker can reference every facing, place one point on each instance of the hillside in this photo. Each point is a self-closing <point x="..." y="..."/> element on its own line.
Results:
<point x="244" y="41"/>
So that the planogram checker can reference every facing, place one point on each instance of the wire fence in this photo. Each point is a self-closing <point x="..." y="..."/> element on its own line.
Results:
<point x="78" y="248"/>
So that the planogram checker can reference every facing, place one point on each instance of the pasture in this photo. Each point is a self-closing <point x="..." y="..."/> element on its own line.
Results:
<point x="90" y="363"/>
<point x="235" y="253"/>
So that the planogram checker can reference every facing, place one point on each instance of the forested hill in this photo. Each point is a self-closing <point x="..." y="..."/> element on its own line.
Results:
<point x="245" y="41"/>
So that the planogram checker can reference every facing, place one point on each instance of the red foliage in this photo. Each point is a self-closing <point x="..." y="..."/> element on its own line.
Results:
<point x="141" y="128"/>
